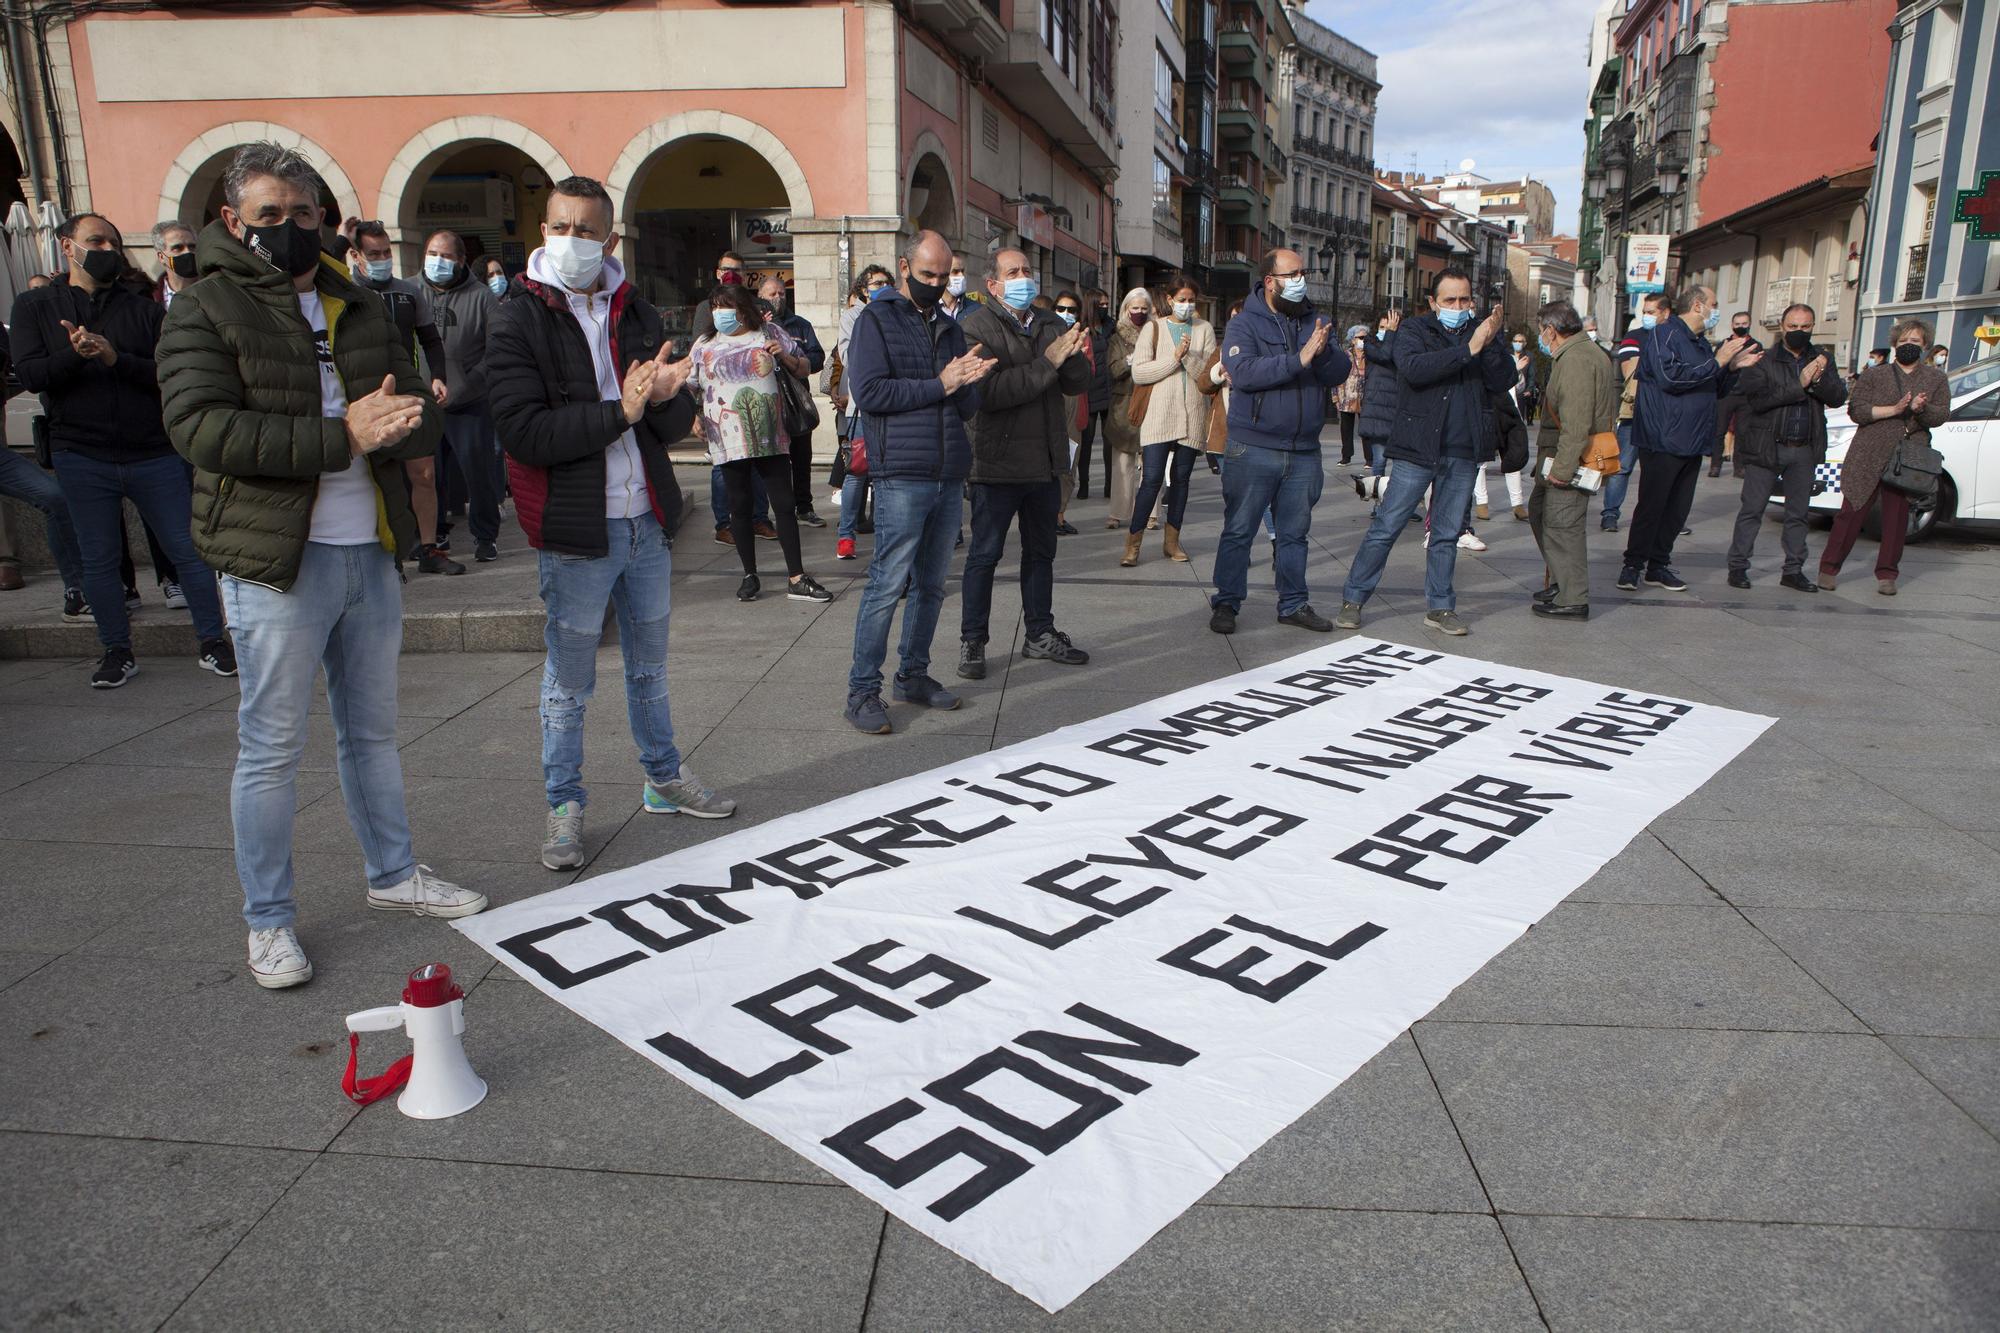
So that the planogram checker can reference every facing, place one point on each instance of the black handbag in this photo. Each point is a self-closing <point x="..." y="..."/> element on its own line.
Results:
<point x="801" y="413"/>
<point x="1914" y="469"/>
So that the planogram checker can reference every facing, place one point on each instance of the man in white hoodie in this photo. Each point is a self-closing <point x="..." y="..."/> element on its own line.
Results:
<point x="586" y="401"/>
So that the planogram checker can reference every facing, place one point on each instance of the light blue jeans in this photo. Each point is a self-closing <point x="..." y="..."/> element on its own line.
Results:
<point x="853" y="495"/>
<point x="1450" y="503"/>
<point x="636" y="577"/>
<point x="916" y="528"/>
<point x="344" y="613"/>
<point x="1615" y="487"/>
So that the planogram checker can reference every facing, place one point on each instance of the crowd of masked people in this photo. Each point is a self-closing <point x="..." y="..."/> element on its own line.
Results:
<point x="286" y="421"/>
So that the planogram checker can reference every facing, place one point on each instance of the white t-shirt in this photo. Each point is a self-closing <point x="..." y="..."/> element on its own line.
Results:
<point x="344" y="513"/>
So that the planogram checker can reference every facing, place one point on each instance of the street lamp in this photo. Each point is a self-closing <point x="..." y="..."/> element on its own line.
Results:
<point x="1616" y="158"/>
<point x="1593" y="185"/>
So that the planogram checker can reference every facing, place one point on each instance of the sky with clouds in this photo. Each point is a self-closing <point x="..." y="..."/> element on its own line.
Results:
<point x="1500" y="82"/>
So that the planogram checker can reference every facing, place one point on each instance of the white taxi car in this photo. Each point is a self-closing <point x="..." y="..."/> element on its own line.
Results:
<point x="1969" y="491"/>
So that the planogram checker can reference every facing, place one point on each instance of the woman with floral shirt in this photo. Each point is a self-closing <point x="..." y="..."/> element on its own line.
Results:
<point x="735" y="379"/>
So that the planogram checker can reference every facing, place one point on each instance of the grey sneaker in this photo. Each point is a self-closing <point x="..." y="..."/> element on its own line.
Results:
<point x="686" y="796"/>
<point x="1349" y="617"/>
<point x="923" y="690"/>
<point x="276" y="960"/>
<point x="1446" y="622"/>
<point x="563" y="848"/>
<point x="868" y="713"/>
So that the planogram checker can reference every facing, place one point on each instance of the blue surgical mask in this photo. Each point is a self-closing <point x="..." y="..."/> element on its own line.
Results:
<point x="877" y="293"/>
<point x="439" y="269"/>
<point x="379" y="270"/>
<point x="726" y="321"/>
<point x="1714" y="318"/>
<point x="1648" y="321"/>
<point x="1294" y="288"/>
<point x="1382" y="335"/>
<point x="498" y="284"/>
<point x="1454" y="319"/>
<point x="1020" y="292"/>
<point x="1543" y="343"/>
<point x="1067" y="316"/>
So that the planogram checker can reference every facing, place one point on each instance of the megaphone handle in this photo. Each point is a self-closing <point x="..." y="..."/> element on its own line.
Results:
<point x="385" y="1019"/>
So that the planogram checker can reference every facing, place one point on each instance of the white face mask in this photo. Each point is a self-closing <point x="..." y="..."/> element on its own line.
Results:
<point x="955" y="284"/>
<point x="1183" y="311"/>
<point x="577" y="261"/>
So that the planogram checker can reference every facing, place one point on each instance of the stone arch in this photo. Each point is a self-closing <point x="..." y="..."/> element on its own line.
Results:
<point x="687" y="124"/>
<point x="927" y="146"/>
<point x="413" y="164"/>
<point x="198" y="166"/>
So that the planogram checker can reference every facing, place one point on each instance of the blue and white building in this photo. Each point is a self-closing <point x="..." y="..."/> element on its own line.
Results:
<point x="1940" y="134"/>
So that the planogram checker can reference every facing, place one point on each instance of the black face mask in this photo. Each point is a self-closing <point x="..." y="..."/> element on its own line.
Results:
<point x="1741" y="330"/>
<point x="1798" y="339"/>
<point x="1908" y="354"/>
<point x="286" y="247"/>
<point x="182" y="264"/>
<point x="924" y="295"/>
<point x="102" y="265"/>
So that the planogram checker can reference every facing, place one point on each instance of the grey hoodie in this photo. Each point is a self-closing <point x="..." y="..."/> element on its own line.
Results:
<point x="462" y="310"/>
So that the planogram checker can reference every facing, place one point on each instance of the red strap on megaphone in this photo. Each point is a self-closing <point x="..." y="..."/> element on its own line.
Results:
<point x="362" y="1091"/>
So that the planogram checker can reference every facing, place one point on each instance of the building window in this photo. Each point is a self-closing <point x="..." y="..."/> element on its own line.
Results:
<point x="1315" y="133"/>
<point x="1163" y="85"/>
<point x="1942" y="59"/>
<point x="1163" y="193"/>
<point x="1347" y="138"/>
<point x="1103" y="62"/>
<point x="1059" y="34"/>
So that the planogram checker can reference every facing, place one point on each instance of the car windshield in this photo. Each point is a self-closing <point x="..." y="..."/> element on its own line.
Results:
<point x="1972" y="378"/>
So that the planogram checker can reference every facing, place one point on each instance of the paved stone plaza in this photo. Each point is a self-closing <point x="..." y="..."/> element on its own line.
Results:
<point x="1748" y="1076"/>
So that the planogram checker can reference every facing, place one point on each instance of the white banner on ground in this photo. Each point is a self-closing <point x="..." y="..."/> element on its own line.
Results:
<point x="1036" y="1003"/>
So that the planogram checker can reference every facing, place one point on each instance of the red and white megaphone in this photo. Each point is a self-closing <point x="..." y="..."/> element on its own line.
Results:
<point x="440" y="1081"/>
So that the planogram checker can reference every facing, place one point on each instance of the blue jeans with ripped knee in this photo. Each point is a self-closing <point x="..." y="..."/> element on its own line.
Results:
<point x="635" y="578"/>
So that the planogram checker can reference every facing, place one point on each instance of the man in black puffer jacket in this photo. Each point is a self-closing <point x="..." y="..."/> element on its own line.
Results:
<point x="1379" y="395"/>
<point x="586" y="402"/>
<point x="1020" y="453"/>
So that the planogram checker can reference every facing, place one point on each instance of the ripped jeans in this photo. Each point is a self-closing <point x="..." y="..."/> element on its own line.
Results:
<point x="635" y="578"/>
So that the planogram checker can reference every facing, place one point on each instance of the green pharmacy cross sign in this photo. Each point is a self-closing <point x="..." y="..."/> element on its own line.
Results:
<point x="1981" y="207"/>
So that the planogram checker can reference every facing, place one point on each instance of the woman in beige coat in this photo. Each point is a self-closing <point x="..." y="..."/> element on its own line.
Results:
<point x="1121" y="437"/>
<point x="1169" y="354"/>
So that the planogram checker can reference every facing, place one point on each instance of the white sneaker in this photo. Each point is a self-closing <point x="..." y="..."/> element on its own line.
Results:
<point x="427" y="895"/>
<point x="276" y="960"/>
<point x="1469" y="541"/>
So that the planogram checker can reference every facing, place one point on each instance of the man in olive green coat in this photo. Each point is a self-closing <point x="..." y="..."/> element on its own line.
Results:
<point x="1581" y="401"/>
<point x="283" y="382"/>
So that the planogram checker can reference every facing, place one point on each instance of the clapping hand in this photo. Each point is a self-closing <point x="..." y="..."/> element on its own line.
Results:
<point x="637" y="391"/>
<point x="968" y="369"/>
<point x="382" y="418"/>
<point x="1917" y="403"/>
<point x="671" y="377"/>
<point x="89" y="346"/>
<point x="1064" y="346"/>
<point x="1489" y="328"/>
<point x="1810" y="375"/>
<point x="1316" y="343"/>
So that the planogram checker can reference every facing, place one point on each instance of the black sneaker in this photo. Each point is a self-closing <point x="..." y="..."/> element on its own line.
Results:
<point x="485" y="552"/>
<point x="1609" y="525"/>
<point x="114" y="670"/>
<point x="747" y="590"/>
<point x="1664" y="577"/>
<point x="132" y="602"/>
<point x="1066" y="529"/>
<point x="219" y="656"/>
<point x="1223" y="620"/>
<point x="1740" y="579"/>
<point x="1055" y="646"/>
<point x="1307" y="618"/>
<point x="810" y="518"/>
<point x="971" y="659"/>
<point x="1628" y="579"/>
<point x="1798" y="582"/>
<point x="75" y="609"/>
<point x="435" y="561"/>
<point x="806" y="588"/>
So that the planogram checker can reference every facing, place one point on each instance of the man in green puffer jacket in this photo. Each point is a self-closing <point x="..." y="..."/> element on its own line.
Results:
<point x="284" y="384"/>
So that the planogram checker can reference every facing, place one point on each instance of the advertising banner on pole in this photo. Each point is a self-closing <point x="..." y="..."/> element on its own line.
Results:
<point x="1646" y="264"/>
<point x="1038" y="1002"/>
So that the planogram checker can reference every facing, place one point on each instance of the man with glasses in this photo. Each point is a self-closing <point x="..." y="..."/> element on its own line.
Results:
<point x="1447" y="366"/>
<point x="1281" y="359"/>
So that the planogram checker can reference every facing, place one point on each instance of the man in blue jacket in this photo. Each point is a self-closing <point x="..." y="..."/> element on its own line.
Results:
<point x="1680" y="378"/>
<point x="1280" y="359"/>
<point x="914" y="386"/>
<point x="1446" y="368"/>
